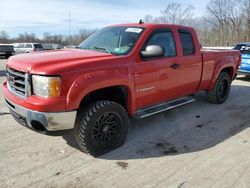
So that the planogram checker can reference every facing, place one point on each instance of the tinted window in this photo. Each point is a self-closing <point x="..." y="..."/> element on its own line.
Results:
<point x="165" y="39"/>
<point x="38" y="46"/>
<point x="20" y="46"/>
<point x="238" y="46"/>
<point x="244" y="49"/>
<point x="28" y="46"/>
<point x="187" y="43"/>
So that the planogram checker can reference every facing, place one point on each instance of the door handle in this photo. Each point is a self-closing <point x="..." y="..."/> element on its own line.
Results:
<point x="175" y="66"/>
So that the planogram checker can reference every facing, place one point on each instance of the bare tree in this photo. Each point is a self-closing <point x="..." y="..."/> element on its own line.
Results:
<point x="27" y="37"/>
<point x="84" y="33"/>
<point x="202" y="27"/>
<point x="227" y="18"/>
<point x="225" y="23"/>
<point x="175" y="13"/>
<point x="235" y="19"/>
<point x="47" y="37"/>
<point x="4" y="37"/>
<point x="245" y="7"/>
<point x="217" y="16"/>
<point x="148" y="18"/>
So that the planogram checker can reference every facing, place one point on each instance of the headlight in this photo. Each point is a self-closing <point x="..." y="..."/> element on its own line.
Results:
<point x="44" y="86"/>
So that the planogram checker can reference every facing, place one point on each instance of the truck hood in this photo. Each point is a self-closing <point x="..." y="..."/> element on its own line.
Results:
<point x="42" y="62"/>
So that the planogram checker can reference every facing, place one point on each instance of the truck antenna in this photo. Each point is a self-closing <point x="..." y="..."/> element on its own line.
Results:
<point x="69" y="28"/>
<point x="141" y="22"/>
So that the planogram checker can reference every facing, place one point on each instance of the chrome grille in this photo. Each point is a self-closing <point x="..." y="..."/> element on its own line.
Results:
<point x="17" y="82"/>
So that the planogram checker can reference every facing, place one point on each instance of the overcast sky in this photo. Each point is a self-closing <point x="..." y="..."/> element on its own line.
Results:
<point x="39" y="16"/>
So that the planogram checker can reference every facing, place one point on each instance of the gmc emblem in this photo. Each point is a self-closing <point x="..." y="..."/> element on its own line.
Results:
<point x="10" y="78"/>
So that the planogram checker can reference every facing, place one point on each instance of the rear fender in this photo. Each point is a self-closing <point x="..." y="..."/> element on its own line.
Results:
<point x="227" y="62"/>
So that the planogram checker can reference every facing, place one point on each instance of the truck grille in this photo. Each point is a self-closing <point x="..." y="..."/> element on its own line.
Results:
<point x="16" y="82"/>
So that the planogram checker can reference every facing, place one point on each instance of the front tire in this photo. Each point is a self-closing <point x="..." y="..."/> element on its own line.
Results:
<point x="101" y="127"/>
<point x="220" y="92"/>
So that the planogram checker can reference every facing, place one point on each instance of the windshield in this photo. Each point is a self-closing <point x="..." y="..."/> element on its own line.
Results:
<point x="113" y="40"/>
<point x="244" y="49"/>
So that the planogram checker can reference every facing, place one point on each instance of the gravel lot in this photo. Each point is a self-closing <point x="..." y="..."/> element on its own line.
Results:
<point x="197" y="145"/>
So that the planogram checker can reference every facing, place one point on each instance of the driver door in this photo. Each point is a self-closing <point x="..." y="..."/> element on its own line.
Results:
<point x="156" y="80"/>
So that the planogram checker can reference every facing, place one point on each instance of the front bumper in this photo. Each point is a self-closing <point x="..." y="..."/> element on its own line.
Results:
<point x="42" y="121"/>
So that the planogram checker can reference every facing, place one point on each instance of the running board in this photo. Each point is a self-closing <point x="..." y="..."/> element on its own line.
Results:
<point x="163" y="107"/>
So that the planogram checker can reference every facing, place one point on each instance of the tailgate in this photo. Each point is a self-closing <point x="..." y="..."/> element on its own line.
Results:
<point x="6" y="48"/>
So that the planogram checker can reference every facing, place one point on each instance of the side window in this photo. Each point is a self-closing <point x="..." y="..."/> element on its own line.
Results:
<point x="21" y="45"/>
<point x="165" y="39"/>
<point x="187" y="43"/>
<point x="28" y="46"/>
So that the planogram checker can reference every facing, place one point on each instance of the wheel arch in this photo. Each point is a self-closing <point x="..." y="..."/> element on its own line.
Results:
<point x="222" y="67"/>
<point x="120" y="92"/>
<point x="117" y="93"/>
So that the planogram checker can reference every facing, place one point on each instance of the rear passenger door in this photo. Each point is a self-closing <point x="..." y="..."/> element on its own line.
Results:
<point x="190" y="64"/>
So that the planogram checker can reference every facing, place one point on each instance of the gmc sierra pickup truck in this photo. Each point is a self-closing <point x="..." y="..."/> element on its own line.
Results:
<point x="121" y="71"/>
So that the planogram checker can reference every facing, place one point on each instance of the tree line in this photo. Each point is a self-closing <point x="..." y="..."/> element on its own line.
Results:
<point x="47" y="38"/>
<point x="224" y="23"/>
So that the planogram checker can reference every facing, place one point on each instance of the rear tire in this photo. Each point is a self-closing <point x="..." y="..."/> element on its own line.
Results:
<point x="101" y="127"/>
<point x="220" y="92"/>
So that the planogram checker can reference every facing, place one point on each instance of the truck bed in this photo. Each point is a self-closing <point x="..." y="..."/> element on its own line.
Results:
<point x="213" y="57"/>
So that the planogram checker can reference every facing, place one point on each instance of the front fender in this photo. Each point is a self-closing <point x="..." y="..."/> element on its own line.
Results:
<point x="86" y="83"/>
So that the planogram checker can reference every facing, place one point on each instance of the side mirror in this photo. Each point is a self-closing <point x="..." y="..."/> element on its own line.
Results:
<point x="153" y="51"/>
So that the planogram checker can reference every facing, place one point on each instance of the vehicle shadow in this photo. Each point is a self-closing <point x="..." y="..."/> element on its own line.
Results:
<point x="191" y="128"/>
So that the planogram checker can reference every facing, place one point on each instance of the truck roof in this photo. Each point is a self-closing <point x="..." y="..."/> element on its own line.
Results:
<point x="149" y="25"/>
<point x="26" y="43"/>
<point x="6" y="44"/>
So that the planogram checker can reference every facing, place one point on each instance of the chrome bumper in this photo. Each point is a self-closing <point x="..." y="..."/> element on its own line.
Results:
<point x="49" y="121"/>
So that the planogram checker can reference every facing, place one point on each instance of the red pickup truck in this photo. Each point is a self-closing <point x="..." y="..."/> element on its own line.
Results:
<point x="121" y="71"/>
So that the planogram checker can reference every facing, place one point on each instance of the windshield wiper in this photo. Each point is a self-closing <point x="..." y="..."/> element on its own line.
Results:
<point x="102" y="48"/>
<point x="83" y="48"/>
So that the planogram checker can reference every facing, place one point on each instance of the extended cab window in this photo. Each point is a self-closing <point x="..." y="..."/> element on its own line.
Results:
<point x="20" y="46"/>
<point x="28" y="46"/>
<point x="186" y="42"/>
<point x="165" y="39"/>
